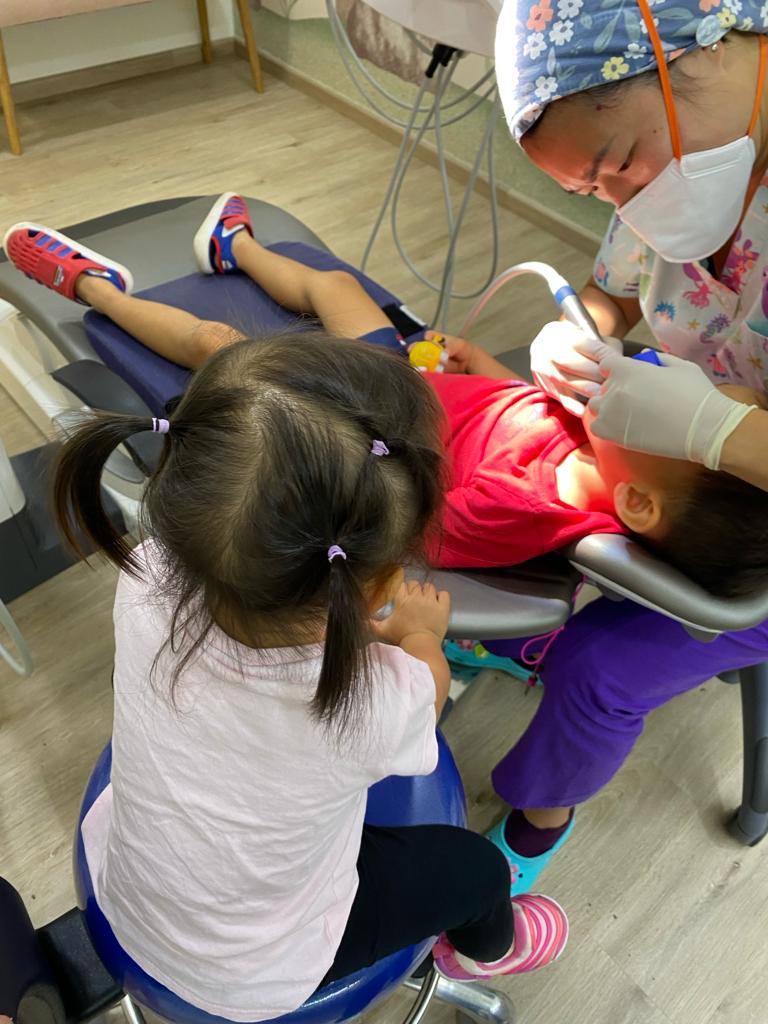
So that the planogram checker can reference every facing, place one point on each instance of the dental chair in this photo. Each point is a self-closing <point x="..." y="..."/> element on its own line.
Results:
<point x="58" y="365"/>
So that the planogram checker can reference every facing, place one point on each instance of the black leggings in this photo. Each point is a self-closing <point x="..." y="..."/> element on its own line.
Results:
<point x="422" y="880"/>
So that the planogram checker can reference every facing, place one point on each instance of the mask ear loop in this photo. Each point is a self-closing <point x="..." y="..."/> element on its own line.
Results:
<point x="666" y="85"/>
<point x="760" y="83"/>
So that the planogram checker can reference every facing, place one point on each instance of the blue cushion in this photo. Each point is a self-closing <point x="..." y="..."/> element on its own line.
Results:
<point x="232" y="299"/>
<point x="418" y="800"/>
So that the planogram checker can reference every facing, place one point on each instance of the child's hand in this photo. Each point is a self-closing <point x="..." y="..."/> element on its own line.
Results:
<point x="418" y="608"/>
<point x="459" y="351"/>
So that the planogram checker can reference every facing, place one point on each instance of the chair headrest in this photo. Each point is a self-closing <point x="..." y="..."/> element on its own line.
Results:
<point x="618" y="564"/>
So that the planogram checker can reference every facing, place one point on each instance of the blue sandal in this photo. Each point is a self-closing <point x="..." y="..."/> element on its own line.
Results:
<point x="524" y="870"/>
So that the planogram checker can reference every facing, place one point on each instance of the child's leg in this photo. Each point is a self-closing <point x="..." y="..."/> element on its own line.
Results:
<point x="172" y="333"/>
<point x="65" y="266"/>
<point x="415" y="882"/>
<point x="334" y="297"/>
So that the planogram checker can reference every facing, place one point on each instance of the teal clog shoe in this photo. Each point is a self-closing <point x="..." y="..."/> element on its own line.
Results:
<point x="467" y="659"/>
<point x="524" y="870"/>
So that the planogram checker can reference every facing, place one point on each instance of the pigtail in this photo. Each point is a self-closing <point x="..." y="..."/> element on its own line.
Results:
<point x="77" y="494"/>
<point x="345" y="672"/>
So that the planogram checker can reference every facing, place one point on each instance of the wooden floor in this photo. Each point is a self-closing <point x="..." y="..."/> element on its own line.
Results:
<point x="669" y="917"/>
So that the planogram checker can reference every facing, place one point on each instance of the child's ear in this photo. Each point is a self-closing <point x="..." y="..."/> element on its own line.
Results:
<point x="638" y="506"/>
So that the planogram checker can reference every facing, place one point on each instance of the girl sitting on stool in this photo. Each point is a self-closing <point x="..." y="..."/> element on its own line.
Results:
<point x="256" y="700"/>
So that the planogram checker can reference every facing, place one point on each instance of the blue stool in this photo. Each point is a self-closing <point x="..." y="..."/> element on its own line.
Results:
<point x="434" y="799"/>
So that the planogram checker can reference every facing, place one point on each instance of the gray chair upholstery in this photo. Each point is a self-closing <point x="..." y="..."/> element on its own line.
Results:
<point x="155" y="241"/>
<point x="488" y="604"/>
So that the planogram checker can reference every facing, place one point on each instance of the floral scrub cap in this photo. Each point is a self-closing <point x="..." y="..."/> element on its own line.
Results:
<point x="547" y="49"/>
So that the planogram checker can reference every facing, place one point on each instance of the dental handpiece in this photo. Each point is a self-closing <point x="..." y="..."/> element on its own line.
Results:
<point x="563" y="293"/>
<point x="574" y="310"/>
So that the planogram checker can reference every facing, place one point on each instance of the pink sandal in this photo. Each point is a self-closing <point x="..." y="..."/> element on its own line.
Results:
<point x="53" y="260"/>
<point x="541" y="933"/>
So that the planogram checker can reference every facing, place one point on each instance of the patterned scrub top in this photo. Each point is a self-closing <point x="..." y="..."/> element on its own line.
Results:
<point x="720" y="324"/>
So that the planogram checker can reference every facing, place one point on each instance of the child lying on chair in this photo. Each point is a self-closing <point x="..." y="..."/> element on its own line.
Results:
<point x="527" y="476"/>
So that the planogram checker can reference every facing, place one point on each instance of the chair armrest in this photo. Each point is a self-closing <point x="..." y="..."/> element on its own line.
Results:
<point x="622" y="566"/>
<point x="101" y="388"/>
<point x="493" y="604"/>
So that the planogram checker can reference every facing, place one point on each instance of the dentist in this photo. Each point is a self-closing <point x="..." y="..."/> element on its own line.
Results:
<point x="658" y="108"/>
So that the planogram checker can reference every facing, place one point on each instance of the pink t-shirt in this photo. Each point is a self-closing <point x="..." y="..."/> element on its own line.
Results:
<point x="224" y="852"/>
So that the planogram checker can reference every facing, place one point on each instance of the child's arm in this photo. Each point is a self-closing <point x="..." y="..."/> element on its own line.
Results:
<point x="418" y="624"/>
<point x="466" y="357"/>
<point x="429" y="649"/>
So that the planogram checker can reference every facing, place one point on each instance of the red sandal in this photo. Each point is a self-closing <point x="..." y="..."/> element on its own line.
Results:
<point x="56" y="261"/>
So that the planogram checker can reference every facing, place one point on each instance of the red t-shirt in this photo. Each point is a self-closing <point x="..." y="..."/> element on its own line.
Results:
<point x="505" y="440"/>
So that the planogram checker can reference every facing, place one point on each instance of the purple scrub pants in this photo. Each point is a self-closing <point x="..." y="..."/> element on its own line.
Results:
<point x="612" y="664"/>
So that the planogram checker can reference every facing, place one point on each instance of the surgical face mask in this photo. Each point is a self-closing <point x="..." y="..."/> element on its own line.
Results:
<point x="693" y="207"/>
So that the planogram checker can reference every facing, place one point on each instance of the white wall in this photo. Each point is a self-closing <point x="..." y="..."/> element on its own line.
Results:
<point x="84" y="40"/>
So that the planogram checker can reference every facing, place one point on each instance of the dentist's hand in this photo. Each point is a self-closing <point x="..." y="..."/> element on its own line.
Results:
<point x="673" y="410"/>
<point x="564" y="363"/>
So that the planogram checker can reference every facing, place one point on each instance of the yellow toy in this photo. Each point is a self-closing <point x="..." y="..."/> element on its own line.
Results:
<point x="429" y="356"/>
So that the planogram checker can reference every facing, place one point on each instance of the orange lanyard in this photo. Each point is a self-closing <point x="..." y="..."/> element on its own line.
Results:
<point x="666" y="85"/>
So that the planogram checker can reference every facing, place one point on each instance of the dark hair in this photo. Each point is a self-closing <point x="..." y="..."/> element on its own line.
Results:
<point x="718" y="535"/>
<point x="266" y="465"/>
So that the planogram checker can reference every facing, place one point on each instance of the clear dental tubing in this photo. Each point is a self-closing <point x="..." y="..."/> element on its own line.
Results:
<point x="563" y="293"/>
<point x="430" y="112"/>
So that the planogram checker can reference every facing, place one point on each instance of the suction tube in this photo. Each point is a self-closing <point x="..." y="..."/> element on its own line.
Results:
<point x="570" y="304"/>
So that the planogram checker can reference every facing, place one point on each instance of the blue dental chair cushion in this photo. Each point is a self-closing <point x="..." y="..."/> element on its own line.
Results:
<point x="232" y="299"/>
<point x="436" y="799"/>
